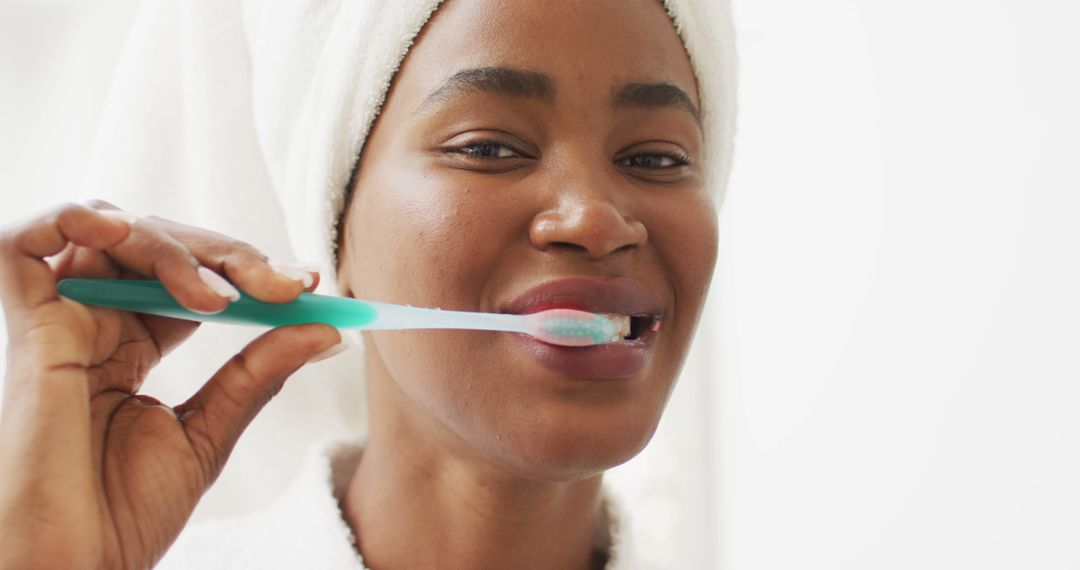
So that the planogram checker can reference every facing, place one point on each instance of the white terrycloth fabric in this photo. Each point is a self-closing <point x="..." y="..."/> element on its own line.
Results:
<point x="304" y="528"/>
<point x="321" y="71"/>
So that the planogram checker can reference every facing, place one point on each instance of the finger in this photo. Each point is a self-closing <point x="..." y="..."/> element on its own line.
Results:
<point x="265" y="279"/>
<point x="268" y="280"/>
<point x="26" y="279"/>
<point x="76" y="261"/>
<point x="151" y="252"/>
<point x="219" y="412"/>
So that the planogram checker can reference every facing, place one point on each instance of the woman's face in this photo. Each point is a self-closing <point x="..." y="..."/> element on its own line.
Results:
<point x="534" y="155"/>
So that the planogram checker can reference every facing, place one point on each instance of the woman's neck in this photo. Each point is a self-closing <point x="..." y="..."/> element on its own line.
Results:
<point x="417" y="501"/>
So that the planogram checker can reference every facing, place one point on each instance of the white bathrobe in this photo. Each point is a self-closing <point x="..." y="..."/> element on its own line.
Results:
<point x="247" y="117"/>
<point x="304" y="528"/>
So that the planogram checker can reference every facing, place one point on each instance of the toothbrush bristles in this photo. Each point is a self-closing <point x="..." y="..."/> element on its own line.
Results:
<point x="568" y="327"/>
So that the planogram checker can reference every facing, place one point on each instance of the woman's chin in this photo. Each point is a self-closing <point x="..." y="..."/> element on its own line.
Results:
<point x="573" y="452"/>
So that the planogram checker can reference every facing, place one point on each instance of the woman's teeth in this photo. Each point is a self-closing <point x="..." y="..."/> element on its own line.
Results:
<point x="622" y="325"/>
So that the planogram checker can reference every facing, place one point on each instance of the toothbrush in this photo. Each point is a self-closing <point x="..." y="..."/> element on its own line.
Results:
<point x="564" y="327"/>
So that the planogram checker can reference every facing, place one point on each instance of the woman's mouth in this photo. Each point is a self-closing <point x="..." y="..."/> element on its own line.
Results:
<point x="631" y="306"/>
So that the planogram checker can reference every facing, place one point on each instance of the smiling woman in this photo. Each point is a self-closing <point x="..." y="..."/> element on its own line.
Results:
<point x="566" y="208"/>
<point x="472" y="155"/>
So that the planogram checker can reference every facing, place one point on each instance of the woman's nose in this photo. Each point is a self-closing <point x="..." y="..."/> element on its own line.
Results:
<point x="588" y="222"/>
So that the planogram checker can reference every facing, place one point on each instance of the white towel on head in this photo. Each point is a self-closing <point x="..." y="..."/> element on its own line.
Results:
<point x="321" y="71"/>
<point x="247" y="117"/>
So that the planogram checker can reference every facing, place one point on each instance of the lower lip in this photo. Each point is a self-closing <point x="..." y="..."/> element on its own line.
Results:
<point x="612" y="361"/>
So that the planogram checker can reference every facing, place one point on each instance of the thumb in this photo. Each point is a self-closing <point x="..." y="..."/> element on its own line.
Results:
<point x="221" y="410"/>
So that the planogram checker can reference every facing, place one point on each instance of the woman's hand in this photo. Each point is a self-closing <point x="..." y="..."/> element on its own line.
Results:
<point x="94" y="474"/>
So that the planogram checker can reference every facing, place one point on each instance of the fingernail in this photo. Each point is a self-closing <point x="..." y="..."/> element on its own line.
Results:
<point x="294" y="272"/>
<point x="309" y="266"/>
<point x="204" y="312"/>
<point x="330" y="352"/>
<point x="218" y="284"/>
<point x="121" y="215"/>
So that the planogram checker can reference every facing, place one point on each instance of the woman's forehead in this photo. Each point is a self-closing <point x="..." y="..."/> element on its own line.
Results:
<point x="548" y="48"/>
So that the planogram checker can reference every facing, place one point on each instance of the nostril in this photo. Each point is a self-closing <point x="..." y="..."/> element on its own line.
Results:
<point x="568" y="246"/>
<point x="593" y="251"/>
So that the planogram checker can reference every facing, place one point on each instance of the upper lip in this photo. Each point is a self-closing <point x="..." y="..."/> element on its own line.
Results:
<point x="616" y="295"/>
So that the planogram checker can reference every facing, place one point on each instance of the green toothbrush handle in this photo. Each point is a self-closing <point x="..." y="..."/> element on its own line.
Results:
<point x="151" y="297"/>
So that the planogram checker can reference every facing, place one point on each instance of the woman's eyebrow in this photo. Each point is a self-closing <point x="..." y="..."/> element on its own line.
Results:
<point x="655" y="96"/>
<point x="497" y="80"/>
<point x="541" y="86"/>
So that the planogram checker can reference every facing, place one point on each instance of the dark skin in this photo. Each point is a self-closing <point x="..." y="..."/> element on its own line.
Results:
<point x="103" y="475"/>
<point x="487" y="188"/>
<point x="477" y="456"/>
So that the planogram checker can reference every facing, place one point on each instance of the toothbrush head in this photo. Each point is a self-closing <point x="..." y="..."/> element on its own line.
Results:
<point x="568" y="327"/>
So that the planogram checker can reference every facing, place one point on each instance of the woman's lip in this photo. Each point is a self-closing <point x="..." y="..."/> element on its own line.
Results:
<point x="612" y="361"/>
<point x="620" y="295"/>
<point x="617" y="295"/>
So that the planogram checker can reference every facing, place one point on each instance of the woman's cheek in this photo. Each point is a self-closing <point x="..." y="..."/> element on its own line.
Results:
<point x="408" y="243"/>
<point x="683" y="231"/>
<point x="449" y="258"/>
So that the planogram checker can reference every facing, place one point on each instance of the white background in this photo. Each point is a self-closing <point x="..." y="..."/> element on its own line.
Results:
<point x="888" y="372"/>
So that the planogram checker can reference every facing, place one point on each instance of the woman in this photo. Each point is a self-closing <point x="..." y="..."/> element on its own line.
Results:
<point x="527" y="156"/>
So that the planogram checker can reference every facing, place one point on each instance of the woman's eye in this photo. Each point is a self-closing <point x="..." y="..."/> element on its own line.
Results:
<point x="655" y="161"/>
<point x="486" y="149"/>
